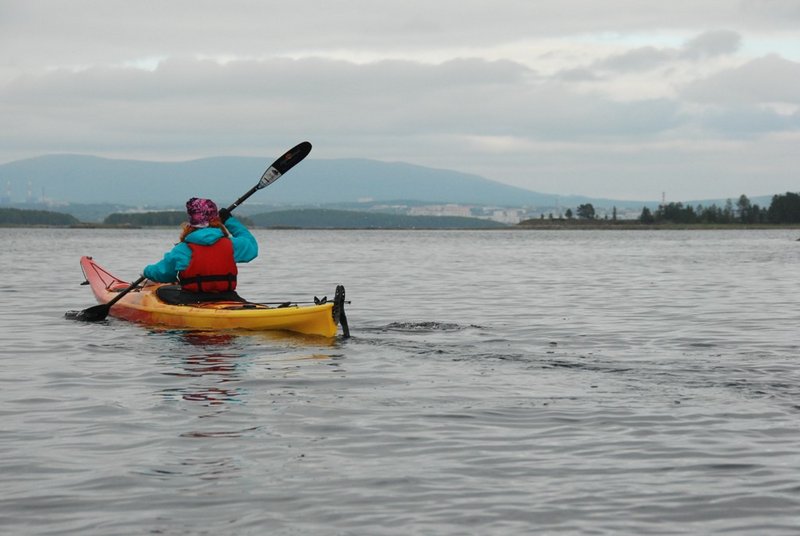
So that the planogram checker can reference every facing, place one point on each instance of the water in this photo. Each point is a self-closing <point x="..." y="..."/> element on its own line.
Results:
<point x="496" y="383"/>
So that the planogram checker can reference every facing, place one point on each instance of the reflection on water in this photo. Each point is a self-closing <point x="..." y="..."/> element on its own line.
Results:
<point x="206" y="338"/>
<point x="206" y="469"/>
<point x="243" y="338"/>
<point x="211" y="396"/>
<point x="214" y="363"/>
<point x="211" y="365"/>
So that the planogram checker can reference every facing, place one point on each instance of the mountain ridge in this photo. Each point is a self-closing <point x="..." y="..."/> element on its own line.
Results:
<point x="74" y="178"/>
<point x="87" y="179"/>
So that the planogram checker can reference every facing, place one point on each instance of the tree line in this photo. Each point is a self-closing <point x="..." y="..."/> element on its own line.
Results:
<point x="784" y="208"/>
<point x="16" y="216"/>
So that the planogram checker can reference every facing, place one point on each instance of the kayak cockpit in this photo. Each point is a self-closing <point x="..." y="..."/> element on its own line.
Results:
<point x="175" y="295"/>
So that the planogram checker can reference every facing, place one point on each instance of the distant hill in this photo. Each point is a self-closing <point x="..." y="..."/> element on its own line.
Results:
<point x="313" y="219"/>
<point x="346" y="219"/>
<point x="91" y="180"/>
<point x="90" y="188"/>
<point x="13" y="216"/>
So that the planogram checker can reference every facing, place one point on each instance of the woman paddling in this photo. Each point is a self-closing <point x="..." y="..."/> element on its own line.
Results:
<point x="204" y="261"/>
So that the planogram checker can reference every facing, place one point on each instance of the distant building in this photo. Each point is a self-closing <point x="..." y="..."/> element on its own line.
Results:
<point x="511" y="216"/>
<point x="441" y="210"/>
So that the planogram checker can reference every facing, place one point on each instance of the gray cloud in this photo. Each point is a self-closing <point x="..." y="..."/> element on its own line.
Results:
<point x="703" y="46"/>
<point x="466" y="96"/>
<point x="710" y="44"/>
<point x="764" y="80"/>
<point x="639" y="59"/>
<point x="52" y="32"/>
<point x="564" y="96"/>
<point x="744" y="121"/>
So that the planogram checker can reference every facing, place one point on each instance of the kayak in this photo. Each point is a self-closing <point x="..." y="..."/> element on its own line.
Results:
<point x="155" y="304"/>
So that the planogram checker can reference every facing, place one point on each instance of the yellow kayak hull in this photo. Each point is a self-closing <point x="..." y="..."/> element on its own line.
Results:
<point x="143" y="305"/>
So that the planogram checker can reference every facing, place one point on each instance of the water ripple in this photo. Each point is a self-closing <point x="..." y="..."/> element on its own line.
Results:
<point x="587" y="383"/>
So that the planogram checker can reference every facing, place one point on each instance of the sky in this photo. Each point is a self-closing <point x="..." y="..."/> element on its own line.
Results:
<point x="622" y="99"/>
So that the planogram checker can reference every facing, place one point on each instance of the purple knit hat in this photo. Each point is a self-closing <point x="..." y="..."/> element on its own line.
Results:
<point x="201" y="212"/>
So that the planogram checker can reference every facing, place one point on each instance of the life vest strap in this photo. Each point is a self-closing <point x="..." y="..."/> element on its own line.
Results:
<point x="200" y="279"/>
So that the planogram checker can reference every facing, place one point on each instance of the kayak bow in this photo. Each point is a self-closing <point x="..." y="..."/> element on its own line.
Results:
<point x="142" y="304"/>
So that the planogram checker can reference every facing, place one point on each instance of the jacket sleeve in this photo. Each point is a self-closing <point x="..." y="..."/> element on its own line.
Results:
<point x="245" y="247"/>
<point x="166" y="270"/>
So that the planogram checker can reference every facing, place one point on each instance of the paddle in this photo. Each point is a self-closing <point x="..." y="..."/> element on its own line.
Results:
<point x="280" y="166"/>
<point x="100" y="312"/>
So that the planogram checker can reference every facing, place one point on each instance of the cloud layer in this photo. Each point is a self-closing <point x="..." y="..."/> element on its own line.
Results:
<point x="696" y="99"/>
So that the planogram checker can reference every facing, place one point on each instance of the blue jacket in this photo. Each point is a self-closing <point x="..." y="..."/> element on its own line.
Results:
<point x="245" y="249"/>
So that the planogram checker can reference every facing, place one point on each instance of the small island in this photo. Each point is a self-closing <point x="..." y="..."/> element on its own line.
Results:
<point x="784" y="210"/>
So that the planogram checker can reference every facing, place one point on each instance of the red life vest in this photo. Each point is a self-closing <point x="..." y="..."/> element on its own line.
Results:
<point x="211" y="268"/>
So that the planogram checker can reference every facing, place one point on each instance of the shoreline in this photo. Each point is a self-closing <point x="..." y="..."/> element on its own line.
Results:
<point x="633" y="225"/>
<point x="543" y="226"/>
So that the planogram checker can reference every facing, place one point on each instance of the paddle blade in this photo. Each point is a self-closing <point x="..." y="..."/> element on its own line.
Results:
<point x="92" y="314"/>
<point x="290" y="158"/>
<point x="100" y="312"/>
